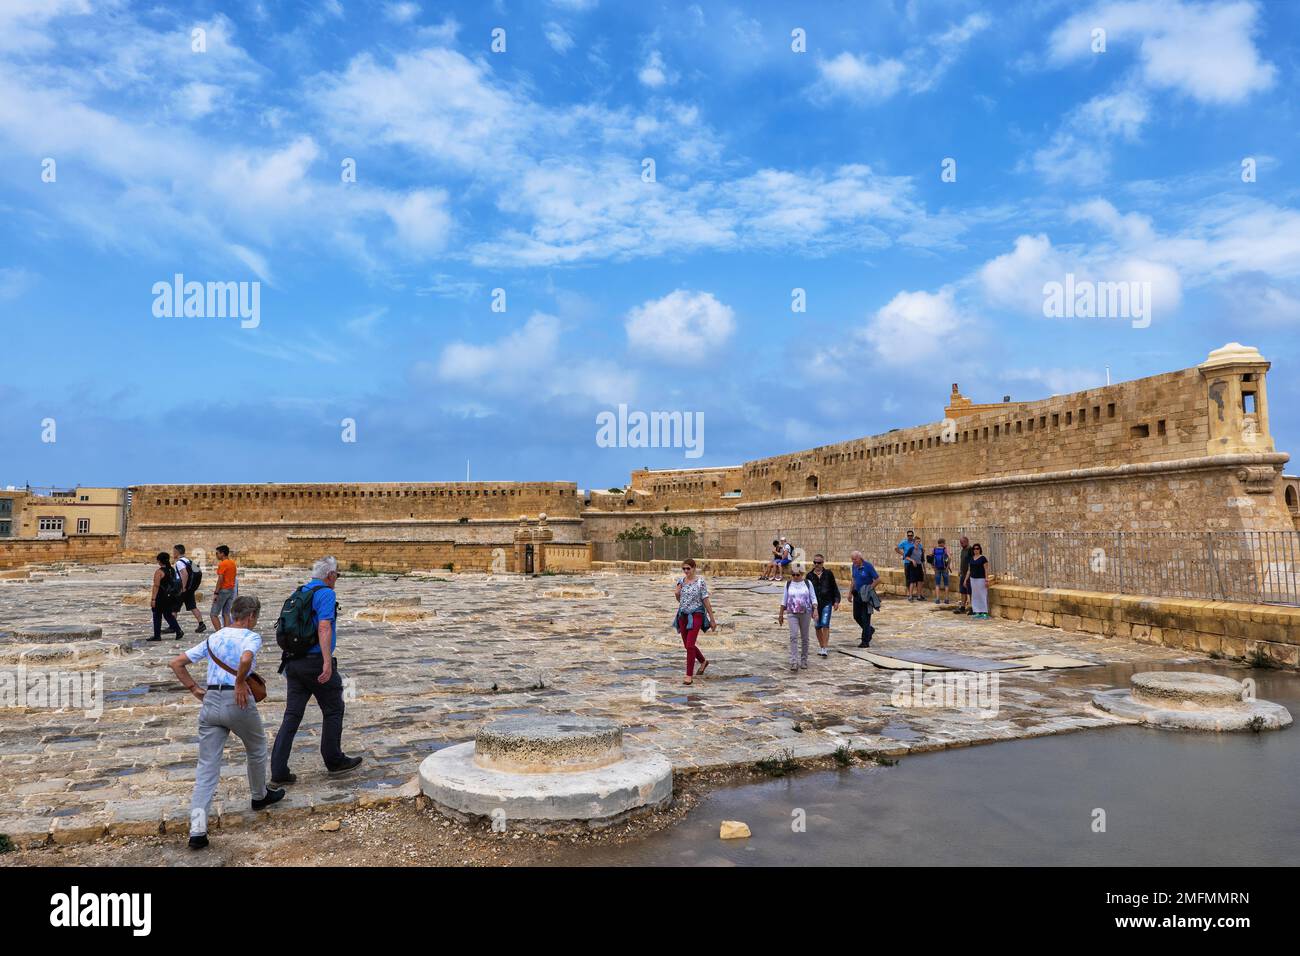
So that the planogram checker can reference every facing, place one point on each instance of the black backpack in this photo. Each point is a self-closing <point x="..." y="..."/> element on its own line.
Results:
<point x="169" y="589"/>
<point x="295" y="629"/>
<point x="196" y="576"/>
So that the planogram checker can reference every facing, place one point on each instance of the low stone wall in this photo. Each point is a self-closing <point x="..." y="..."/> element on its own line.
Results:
<point x="400" y="555"/>
<point x="1251" y="632"/>
<point x="85" y="549"/>
<point x="567" y="557"/>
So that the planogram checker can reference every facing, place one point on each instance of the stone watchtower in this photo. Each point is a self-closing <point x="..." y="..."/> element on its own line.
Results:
<point x="1238" y="415"/>
<point x="1238" y="405"/>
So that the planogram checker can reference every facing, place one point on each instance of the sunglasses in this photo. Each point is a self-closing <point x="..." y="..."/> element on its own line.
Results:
<point x="817" y="564"/>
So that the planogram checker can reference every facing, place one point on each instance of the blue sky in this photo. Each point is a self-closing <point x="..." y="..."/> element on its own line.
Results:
<point x="522" y="170"/>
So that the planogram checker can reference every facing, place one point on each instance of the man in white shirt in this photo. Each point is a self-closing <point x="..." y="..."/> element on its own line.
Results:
<point x="227" y="704"/>
<point x="185" y="568"/>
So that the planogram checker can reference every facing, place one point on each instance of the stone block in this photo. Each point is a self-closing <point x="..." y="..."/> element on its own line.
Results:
<point x="26" y="832"/>
<point x="136" y="817"/>
<point x="77" y="828"/>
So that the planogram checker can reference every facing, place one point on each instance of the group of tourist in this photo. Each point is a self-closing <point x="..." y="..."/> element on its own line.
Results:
<point x="307" y="633"/>
<point x="809" y="598"/>
<point x="175" y="585"/>
<point x="972" y="573"/>
<point x="233" y="688"/>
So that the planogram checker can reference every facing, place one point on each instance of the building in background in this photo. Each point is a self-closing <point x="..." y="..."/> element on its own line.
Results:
<point x="57" y="513"/>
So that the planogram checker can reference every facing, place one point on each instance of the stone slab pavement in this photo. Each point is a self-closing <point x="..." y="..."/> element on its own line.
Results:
<point x="599" y="645"/>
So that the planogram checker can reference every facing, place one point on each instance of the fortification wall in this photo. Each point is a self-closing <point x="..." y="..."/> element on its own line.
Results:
<point x="1202" y="494"/>
<point x="1162" y="418"/>
<point x="86" y="549"/>
<point x="258" y="519"/>
<point x="253" y="503"/>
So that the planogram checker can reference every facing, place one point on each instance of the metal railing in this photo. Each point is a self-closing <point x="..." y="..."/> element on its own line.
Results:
<point x="673" y="547"/>
<point x="1261" y="567"/>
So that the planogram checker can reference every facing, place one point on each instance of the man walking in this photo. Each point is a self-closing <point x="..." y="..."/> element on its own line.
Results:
<point x="189" y="584"/>
<point x="828" y="599"/>
<point x="227" y="704"/>
<point x="315" y="674"/>
<point x="224" y="593"/>
<point x="864" y="587"/>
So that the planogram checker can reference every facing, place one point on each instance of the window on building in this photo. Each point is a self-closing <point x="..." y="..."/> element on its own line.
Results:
<point x="83" y="526"/>
<point x="50" y="525"/>
<point x="1140" y="431"/>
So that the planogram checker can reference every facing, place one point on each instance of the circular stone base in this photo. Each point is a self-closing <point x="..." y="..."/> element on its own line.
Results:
<point x="459" y="786"/>
<point x="548" y="744"/>
<point x="1244" y="715"/>
<point x="53" y="633"/>
<point x="1177" y="689"/>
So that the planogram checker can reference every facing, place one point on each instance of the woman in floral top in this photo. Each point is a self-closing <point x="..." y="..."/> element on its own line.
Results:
<point x="693" y="613"/>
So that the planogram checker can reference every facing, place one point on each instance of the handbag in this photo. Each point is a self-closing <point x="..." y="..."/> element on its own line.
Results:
<point x="256" y="685"/>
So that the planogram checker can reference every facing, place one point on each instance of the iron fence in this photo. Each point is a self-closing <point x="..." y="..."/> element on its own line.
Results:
<point x="1261" y="567"/>
<point x="672" y="547"/>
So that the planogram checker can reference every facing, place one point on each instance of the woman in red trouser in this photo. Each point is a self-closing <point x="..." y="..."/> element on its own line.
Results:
<point x="693" y="613"/>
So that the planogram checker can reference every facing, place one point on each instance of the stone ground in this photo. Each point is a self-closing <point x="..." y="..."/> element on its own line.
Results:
<point x="594" y="645"/>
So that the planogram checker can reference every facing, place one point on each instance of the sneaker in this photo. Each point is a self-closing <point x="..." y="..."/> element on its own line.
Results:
<point x="179" y="633"/>
<point x="864" y="643"/>
<point x="154" y="638"/>
<point x="823" y="652"/>
<point x="199" y="841"/>
<point x="794" y="668"/>
<point x="272" y="796"/>
<point x="803" y="665"/>
<point x="286" y="779"/>
<point x="201" y="628"/>
<point x="349" y="763"/>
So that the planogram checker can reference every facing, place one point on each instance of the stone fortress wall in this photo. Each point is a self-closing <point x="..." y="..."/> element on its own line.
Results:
<point x="1186" y="450"/>
<point x="262" y="522"/>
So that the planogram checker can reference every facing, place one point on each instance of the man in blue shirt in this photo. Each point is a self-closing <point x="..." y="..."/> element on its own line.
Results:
<point x="315" y="674"/>
<point x="864" y="576"/>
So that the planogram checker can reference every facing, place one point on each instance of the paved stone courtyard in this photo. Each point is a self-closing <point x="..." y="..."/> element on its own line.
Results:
<point x="431" y="657"/>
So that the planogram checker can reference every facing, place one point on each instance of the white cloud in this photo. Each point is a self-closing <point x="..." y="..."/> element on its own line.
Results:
<point x="868" y="80"/>
<point x="860" y="79"/>
<point x="683" y="327"/>
<point x="1080" y="151"/>
<point x="401" y="12"/>
<point x="523" y="351"/>
<point x="199" y="99"/>
<point x="914" y="326"/>
<point x="653" y="72"/>
<point x="532" y="356"/>
<point x="1203" y="50"/>
<point x="558" y="37"/>
<point x="422" y="220"/>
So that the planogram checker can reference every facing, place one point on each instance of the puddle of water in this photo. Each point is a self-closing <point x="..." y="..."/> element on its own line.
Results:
<point x="897" y="731"/>
<point x="1171" y="799"/>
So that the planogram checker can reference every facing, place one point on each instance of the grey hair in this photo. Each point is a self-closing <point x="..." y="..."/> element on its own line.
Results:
<point x="855" y="554"/>
<point x="325" y="566"/>
<point x="245" y="606"/>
